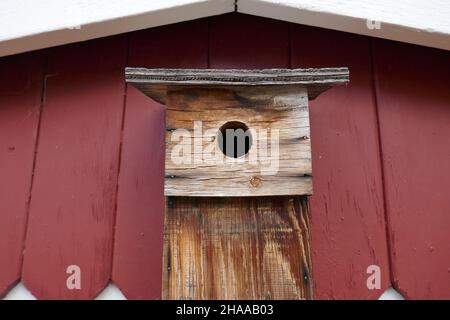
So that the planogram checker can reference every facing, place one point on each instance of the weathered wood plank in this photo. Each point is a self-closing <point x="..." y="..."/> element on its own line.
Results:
<point x="414" y="110"/>
<point x="20" y="94"/>
<point x="154" y="82"/>
<point x="74" y="191"/>
<point x="238" y="41"/>
<point x="279" y="158"/>
<point x="237" y="77"/>
<point x="237" y="248"/>
<point x="137" y="268"/>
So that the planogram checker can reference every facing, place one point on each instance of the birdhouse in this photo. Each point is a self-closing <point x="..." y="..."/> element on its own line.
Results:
<point x="238" y="174"/>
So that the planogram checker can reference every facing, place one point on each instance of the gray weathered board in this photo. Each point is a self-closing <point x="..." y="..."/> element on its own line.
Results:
<point x="154" y="82"/>
<point x="272" y="103"/>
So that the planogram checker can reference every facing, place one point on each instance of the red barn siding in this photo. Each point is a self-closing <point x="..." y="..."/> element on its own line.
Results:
<point x="348" y="227"/>
<point x="238" y="41"/>
<point x="137" y="268"/>
<point x="414" y="106"/>
<point x="20" y="96"/>
<point x="73" y="197"/>
<point x="83" y="123"/>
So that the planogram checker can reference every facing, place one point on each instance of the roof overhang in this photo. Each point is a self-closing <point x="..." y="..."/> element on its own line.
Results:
<point x="154" y="82"/>
<point x="27" y="25"/>
<point x="422" y="22"/>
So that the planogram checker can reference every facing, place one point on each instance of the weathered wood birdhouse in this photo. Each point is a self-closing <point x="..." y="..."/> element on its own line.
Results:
<point x="238" y="177"/>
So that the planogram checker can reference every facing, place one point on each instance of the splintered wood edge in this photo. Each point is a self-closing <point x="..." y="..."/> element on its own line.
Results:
<point x="154" y="82"/>
<point x="237" y="76"/>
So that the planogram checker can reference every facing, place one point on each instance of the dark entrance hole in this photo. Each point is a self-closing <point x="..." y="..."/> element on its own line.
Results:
<point x="235" y="139"/>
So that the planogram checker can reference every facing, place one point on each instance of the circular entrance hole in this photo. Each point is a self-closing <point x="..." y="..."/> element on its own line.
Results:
<point x="235" y="139"/>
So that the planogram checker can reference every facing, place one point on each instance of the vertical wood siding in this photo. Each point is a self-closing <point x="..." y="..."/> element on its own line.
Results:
<point x="20" y="95"/>
<point x="137" y="268"/>
<point x="348" y="228"/>
<point x="237" y="248"/>
<point x="85" y="135"/>
<point x="238" y="41"/>
<point x="414" y="106"/>
<point x="73" y="197"/>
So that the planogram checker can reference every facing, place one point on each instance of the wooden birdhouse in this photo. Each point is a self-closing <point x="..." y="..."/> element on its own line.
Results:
<point x="238" y="174"/>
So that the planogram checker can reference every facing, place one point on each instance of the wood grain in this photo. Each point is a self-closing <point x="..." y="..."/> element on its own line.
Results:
<point x="237" y="248"/>
<point x="224" y="211"/>
<point x="276" y="110"/>
<point x="348" y="227"/>
<point x="154" y="82"/>
<point x="20" y="98"/>
<point x="137" y="268"/>
<point x="238" y="41"/>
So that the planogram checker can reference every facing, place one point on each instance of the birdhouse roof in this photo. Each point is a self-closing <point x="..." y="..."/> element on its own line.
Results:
<point x="154" y="82"/>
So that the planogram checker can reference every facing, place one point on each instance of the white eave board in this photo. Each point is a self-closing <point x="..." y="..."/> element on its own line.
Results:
<point x="422" y="22"/>
<point x="27" y="25"/>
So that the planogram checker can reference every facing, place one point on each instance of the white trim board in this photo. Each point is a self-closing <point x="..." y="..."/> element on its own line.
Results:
<point x="422" y="22"/>
<point x="27" y="25"/>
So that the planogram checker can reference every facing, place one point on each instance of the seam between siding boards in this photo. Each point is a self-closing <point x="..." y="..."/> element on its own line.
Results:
<point x="36" y="147"/>
<point x="119" y="164"/>
<point x="375" y="94"/>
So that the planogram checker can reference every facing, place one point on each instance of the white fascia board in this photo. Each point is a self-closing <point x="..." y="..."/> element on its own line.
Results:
<point x="422" y="22"/>
<point x="27" y="25"/>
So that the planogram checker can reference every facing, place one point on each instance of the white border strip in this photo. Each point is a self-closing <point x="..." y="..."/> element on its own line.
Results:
<point x="422" y="22"/>
<point x="27" y="25"/>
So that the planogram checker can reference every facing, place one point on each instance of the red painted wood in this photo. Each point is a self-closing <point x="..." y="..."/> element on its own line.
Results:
<point x="73" y="197"/>
<point x="74" y="191"/>
<point x="414" y="107"/>
<point x="20" y="93"/>
<point x="137" y="267"/>
<point x="241" y="41"/>
<point x="348" y="227"/>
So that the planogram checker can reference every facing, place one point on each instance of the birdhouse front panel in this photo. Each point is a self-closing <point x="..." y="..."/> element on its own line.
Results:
<point x="237" y="179"/>
<point x="237" y="141"/>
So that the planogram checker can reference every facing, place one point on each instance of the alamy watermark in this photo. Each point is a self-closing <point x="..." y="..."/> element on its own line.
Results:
<point x="73" y="281"/>
<point x="374" y="279"/>
<point x="229" y="145"/>
<point x="373" y="24"/>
